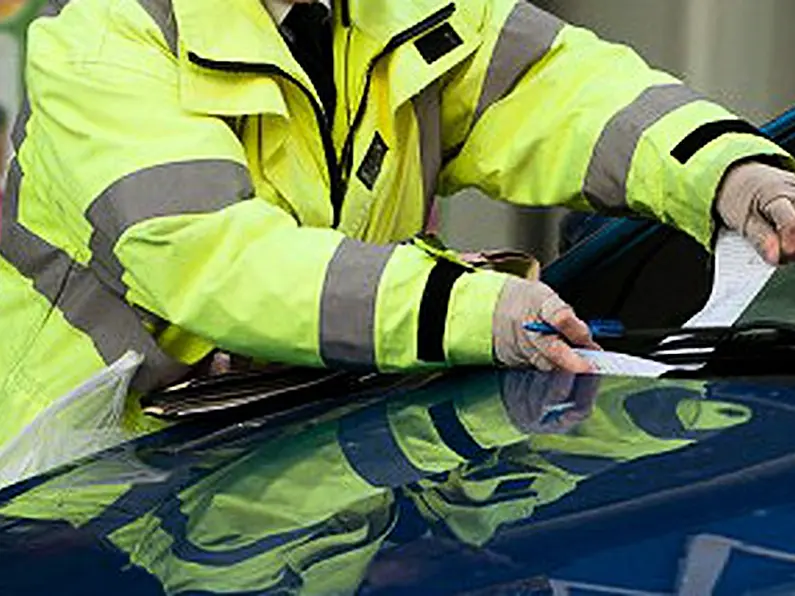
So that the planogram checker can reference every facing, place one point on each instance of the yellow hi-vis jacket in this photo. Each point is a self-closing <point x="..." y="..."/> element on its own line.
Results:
<point x="177" y="186"/>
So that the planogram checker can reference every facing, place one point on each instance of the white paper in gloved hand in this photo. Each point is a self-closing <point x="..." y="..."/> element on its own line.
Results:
<point x="85" y="421"/>
<point x="740" y="275"/>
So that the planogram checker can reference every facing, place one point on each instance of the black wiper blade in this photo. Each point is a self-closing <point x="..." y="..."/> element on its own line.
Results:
<point x="749" y="349"/>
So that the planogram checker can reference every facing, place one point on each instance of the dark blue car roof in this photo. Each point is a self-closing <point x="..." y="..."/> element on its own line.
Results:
<point x="714" y="514"/>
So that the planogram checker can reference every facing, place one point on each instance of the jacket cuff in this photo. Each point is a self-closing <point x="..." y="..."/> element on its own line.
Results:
<point x="468" y="334"/>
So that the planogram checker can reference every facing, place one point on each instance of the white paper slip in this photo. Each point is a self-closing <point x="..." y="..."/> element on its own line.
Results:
<point x="624" y="365"/>
<point x="740" y="274"/>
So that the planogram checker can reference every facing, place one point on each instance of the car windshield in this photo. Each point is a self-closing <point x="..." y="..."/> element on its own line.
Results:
<point x="652" y="276"/>
<point x="775" y="301"/>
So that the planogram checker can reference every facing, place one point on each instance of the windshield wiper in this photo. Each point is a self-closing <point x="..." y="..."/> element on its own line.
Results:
<point x="760" y="348"/>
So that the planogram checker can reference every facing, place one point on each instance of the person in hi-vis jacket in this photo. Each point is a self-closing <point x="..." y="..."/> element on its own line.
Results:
<point x="253" y="176"/>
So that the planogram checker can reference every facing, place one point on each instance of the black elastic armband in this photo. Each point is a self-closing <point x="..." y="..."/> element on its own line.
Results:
<point x="434" y="308"/>
<point x="705" y="134"/>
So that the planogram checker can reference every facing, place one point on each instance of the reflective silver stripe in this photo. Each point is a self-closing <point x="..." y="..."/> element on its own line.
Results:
<point x="85" y="303"/>
<point x="162" y="13"/>
<point x="50" y="9"/>
<point x="111" y="323"/>
<point x="19" y="131"/>
<point x="654" y="412"/>
<point x="605" y="183"/>
<point x="579" y="464"/>
<point x="192" y="187"/>
<point x="526" y="37"/>
<point x="427" y="109"/>
<point x="53" y="8"/>
<point x="347" y="310"/>
<point x="10" y="202"/>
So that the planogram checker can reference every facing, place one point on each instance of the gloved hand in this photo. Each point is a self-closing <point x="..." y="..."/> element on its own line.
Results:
<point x="759" y="201"/>
<point x="524" y="301"/>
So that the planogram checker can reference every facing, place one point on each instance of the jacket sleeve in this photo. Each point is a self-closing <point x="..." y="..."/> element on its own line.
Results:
<point x="556" y="116"/>
<point x="159" y="202"/>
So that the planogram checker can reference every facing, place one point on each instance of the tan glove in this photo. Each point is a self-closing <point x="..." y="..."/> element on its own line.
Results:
<point x="759" y="201"/>
<point x="524" y="301"/>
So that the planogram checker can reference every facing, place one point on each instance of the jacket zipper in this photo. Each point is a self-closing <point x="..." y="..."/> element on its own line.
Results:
<point x="338" y="172"/>
<point x="347" y="76"/>
<point x="335" y="179"/>
<point x="346" y="160"/>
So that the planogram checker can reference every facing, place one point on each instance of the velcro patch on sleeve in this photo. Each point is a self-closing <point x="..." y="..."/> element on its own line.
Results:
<point x="373" y="161"/>
<point x="438" y="43"/>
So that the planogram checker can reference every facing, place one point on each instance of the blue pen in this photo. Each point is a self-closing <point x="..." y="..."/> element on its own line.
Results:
<point x="599" y="328"/>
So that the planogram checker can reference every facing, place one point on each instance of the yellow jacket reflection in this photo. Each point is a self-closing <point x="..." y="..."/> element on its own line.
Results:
<point x="307" y="511"/>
